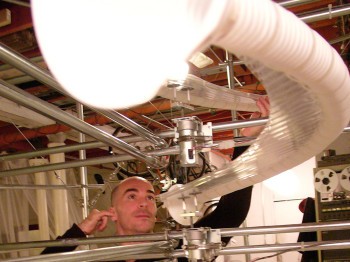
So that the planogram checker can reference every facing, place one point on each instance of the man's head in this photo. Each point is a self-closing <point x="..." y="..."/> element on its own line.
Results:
<point x="134" y="206"/>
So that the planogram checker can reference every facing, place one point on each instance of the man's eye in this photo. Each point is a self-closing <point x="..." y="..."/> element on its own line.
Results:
<point x="151" y="198"/>
<point x="131" y="197"/>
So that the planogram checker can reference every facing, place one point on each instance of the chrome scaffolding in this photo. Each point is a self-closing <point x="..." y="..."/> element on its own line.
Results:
<point x="163" y="245"/>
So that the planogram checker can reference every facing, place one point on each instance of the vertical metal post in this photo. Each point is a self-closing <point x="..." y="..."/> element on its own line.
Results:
<point x="83" y="169"/>
<point x="231" y="85"/>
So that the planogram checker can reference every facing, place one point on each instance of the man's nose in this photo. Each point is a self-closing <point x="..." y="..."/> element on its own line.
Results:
<point x="143" y="203"/>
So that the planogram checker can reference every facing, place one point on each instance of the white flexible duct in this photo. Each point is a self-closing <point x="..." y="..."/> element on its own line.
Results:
<point x="309" y="89"/>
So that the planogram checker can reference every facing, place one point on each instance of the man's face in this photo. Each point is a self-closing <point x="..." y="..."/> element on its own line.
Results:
<point x="135" y="207"/>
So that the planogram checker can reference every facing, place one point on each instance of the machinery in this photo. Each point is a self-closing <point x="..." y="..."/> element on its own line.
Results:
<point x="332" y="201"/>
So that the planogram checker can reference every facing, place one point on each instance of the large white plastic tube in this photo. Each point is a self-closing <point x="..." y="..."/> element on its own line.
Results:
<point x="309" y="89"/>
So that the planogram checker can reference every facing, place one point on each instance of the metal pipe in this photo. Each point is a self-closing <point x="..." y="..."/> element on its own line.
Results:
<point x="290" y="3"/>
<point x="35" y="59"/>
<point x="17" y="2"/>
<point x="83" y="169"/>
<point x="133" y="252"/>
<point x="82" y="241"/>
<point x="100" y="253"/>
<point x="303" y="246"/>
<point x="325" y="14"/>
<point x="22" y="63"/>
<point x="20" y="80"/>
<point x="239" y="124"/>
<point x="88" y="162"/>
<point x="23" y="98"/>
<point x="48" y="187"/>
<point x="339" y="39"/>
<point x="231" y="85"/>
<point x="306" y="227"/>
<point x="48" y="151"/>
<point x="133" y="127"/>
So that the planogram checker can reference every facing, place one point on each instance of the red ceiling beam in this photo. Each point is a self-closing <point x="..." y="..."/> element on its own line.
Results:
<point x="21" y="19"/>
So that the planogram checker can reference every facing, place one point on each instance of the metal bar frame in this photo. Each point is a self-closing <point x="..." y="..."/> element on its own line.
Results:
<point x="133" y="251"/>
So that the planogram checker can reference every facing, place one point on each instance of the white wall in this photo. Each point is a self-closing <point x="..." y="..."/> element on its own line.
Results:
<point x="275" y="202"/>
<point x="341" y="145"/>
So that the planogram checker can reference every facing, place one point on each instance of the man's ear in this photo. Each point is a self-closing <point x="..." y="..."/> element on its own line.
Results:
<point x="115" y="216"/>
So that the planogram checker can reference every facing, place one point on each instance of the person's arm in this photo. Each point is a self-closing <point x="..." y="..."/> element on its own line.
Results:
<point x="73" y="232"/>
<point x="231" y="210"/>
<point x="96" y="220"/>
<point x="264" y="111"/>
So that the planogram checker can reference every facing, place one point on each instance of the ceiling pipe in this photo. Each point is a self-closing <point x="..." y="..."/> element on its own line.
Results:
<point x="292" y="3"/>
<point x="49" y="187"/>
<point x="339" y="39"/>
<point x="17" y="2"/>
<point x="24" y="98"/>
<point x="335" y="11"/>
<point x="22" y="63"/>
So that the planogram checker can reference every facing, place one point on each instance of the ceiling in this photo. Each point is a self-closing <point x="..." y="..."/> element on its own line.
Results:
<point x="21" y="131"/>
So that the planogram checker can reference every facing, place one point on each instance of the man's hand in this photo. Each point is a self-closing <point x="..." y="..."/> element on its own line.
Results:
<point x="264" y="108"/>
<point x="96" y="220"/>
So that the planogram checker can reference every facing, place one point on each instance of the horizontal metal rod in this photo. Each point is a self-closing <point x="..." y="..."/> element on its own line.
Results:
<point x="52" y="150"/>
<point x="86" y="162"/>
<point x="98" y="254"/>
<point x="305" y="227"/>
<point x="20" y="80"/>
<point x="335" y="11"/>
<point x="35" y="59"/>
<point x="47" y="187"/>
<point x="290" y="3"/>
<point x="240" y="124"/>
<point x="147" y="251"/>
<point x="17" y="2"/>
<point x="340" y="39"/>
<point x="300" y="246"/>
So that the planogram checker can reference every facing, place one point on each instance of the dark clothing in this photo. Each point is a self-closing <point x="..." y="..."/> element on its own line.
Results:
<point x="231" y="211"/>
<point x="73" y="232"/>
<point x="309" y="216"/>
